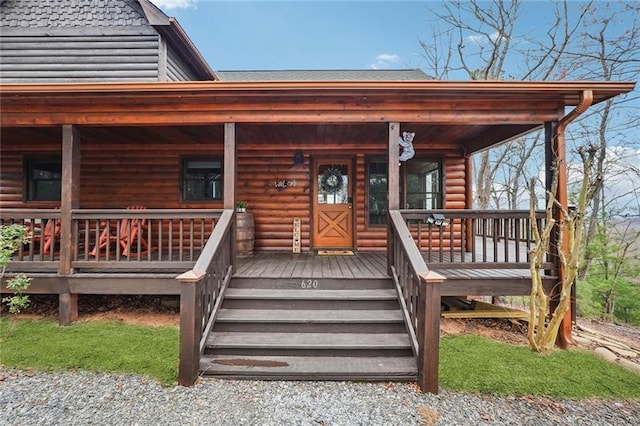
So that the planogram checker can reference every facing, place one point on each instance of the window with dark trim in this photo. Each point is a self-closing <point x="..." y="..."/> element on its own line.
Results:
<point x="422" y="184"/>
<point x="202" y="179"/>
<point x="377" y="192"/>
<point x="420" y="187"/>
<point x="43" y="179"/>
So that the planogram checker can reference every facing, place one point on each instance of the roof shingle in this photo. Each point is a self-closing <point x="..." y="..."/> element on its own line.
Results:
<point x="324" y="75"/>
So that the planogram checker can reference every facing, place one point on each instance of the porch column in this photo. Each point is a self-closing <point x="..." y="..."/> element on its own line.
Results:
<point x="468" y="202"/>
<point x="229" y="190"/>
<point x="555" y="157"/>
<point x="393" y="185"/>
<point x="69" y="200"/>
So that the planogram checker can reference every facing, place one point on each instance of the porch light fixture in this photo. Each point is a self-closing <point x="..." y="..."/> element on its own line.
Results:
<point x="298" y="158"/>
<point x="437" y="219"/>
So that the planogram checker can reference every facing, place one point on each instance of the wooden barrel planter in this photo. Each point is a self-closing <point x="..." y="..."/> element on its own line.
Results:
<point x="244" y="234"/>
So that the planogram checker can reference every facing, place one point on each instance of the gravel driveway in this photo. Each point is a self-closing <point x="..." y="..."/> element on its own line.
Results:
<point x="83" y="398"/>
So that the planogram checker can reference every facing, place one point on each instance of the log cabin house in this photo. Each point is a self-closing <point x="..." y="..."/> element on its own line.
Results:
<point x="129" y="179"/>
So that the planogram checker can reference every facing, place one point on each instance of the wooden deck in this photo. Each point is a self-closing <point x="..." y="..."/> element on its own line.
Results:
<point x="308" y="265"/>
<point x="473" y="279"/>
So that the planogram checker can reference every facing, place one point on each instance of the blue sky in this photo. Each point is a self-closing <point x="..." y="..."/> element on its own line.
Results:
<point x="303" y="34"/>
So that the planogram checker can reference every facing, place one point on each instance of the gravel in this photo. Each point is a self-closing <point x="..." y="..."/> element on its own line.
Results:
<point x="84" y="398"/>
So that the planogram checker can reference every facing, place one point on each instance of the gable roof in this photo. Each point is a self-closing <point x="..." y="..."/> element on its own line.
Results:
<point x="324" y="75"/>
<point x="65" y="17"/>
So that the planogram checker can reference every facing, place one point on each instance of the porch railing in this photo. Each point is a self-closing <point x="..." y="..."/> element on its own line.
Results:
<point x="114" y="238"/>
<point x="201" y="294"/>
<point x="44" y="227"/>
<point x="474" y="238"/>
<point x="141" y="238"/>
<point x="419" y="294"/>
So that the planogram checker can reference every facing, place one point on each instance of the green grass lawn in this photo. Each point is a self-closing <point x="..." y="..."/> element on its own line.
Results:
<point x="103" y="346"/>
<point x="467" y="362"/>
<point x="477" y="364"/>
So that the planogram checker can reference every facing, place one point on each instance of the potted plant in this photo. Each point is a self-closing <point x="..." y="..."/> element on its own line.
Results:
<point x="241" y="206"/>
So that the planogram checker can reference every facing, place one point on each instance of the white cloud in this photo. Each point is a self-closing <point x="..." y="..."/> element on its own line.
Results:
<point x="481" y="39"/>
<point x="384" y="60"/>
<point x="175" y="4"/>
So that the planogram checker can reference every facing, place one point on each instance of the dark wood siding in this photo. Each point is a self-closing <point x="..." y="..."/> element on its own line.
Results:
<point x="265" y="155"/>
<point x="78" y="57"/>
<point x="119" y="167"/>
<point x="177" y="69"/>
<point x="141" y="166"/>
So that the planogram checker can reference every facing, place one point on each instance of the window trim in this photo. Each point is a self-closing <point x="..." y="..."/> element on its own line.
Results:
<point x="29" y="164"/>
<point x="183" y="179"/>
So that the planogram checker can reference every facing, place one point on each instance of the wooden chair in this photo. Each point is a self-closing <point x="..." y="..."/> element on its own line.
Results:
<point x="130" y="232"/>
<point x="51" y="234"/>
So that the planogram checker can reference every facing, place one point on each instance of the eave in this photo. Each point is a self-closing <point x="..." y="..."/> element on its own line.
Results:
<point x="501" y="110"/>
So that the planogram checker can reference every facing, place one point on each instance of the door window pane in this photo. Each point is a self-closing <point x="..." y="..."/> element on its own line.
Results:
<point x="333" y="184"/>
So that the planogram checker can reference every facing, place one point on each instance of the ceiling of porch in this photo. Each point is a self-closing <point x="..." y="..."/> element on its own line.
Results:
<point x="467" y="138"/>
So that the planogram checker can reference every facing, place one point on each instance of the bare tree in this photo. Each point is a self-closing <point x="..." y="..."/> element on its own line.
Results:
<point x="609" y="50"/>
<point x="483" y="40"/>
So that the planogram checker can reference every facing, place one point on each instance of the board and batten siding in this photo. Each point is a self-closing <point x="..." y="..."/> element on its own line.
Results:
<point x="78" y="57"/>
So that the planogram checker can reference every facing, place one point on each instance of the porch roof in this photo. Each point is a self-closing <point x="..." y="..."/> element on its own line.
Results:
<point x="478" y="114"/>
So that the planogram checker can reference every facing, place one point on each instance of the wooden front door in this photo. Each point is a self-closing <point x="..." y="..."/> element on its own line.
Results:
<point x="332" y="204"/>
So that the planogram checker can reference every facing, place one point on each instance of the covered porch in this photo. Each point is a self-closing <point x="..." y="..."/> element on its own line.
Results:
<point x="88" y="242"/>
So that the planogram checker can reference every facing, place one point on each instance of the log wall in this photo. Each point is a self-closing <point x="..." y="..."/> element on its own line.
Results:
<point x="141" y="166"/>
<point x="118" y="168"/>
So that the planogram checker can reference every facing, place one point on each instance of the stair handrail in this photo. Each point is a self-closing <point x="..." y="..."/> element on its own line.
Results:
<point x="419" y="295"/>
<point x="201" y="295"/>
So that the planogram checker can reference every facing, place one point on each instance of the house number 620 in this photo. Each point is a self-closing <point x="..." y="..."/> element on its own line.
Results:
<point x="309" y="284"/>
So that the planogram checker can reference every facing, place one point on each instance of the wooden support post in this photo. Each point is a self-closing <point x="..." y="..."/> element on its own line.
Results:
<point x="190" y="327"/>
<point x="69" y="200"/>
<point x="67" y="308"/>
<point x="230" y="165"/>
<point x="468" y="204"/>
<point x="393" y="185"/>
<point x="429" y="331"/>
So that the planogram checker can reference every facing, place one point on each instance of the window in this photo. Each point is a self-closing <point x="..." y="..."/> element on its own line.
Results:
<point x="44" y="179"/>
<point x="377" y="196"/>
<point x="202" y="179"/>
<point x="422" y="184"/>
<point x="420" y="187"/>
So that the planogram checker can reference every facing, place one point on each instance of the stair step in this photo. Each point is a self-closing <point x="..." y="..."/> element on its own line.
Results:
<point x="315" y="368"/>
<point x="311" y="294"/>
<point x="306" y="341"/>
<point x="306" y="316"/>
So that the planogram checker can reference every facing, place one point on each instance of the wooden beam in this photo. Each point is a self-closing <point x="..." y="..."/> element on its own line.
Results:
<point x="394" y="167"/>
<point x="190" y="332"/>
<point x="393" y="187"/>
<point x="230" y="170"/>
<point x="230" y="162"/>
<point x="429" y="335"/>
<point x="69" y="200"/>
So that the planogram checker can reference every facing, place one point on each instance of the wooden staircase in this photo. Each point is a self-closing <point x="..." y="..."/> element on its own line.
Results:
<point x="324" y="329"/>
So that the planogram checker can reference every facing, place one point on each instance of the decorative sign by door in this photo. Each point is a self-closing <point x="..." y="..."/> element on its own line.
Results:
<point x="296" y="235"/>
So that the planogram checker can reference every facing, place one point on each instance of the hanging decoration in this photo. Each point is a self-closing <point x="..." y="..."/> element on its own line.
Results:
<point x="406" y="142"/>
<point x="331" y="181"/>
